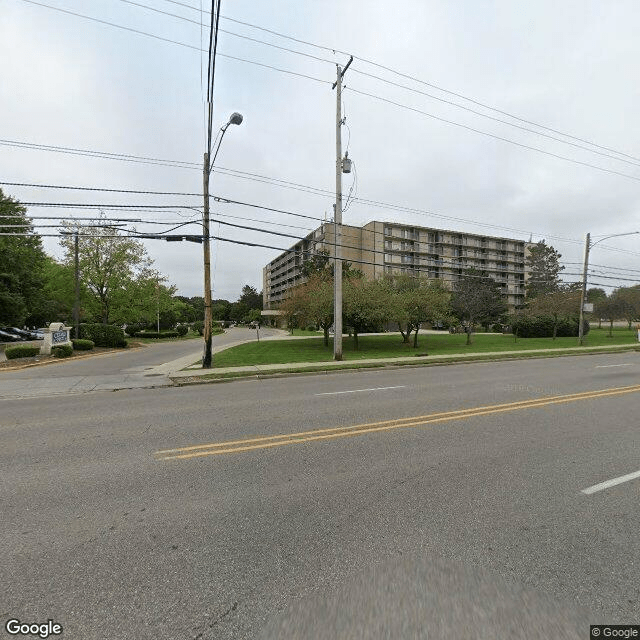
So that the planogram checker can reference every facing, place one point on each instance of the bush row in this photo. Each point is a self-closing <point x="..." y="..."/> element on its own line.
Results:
<point x="83" y="345"/>
<point x="103" y="335"/>
<point x="21" y="351"/>
<point x="156" y="334"/>
<point x="198" y="327"/>
<point x="542" y="327"/>
<point x="62" y="351"/>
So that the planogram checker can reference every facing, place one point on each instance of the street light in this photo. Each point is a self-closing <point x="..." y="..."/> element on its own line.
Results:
<point x="235" y="118"/>
<point x="583" y="294"/>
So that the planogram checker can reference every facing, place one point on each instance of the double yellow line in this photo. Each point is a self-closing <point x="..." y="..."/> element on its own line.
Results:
<point x="268" y="442"/>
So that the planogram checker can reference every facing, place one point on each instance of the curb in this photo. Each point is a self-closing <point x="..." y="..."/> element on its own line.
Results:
<point x="184" y="381"/>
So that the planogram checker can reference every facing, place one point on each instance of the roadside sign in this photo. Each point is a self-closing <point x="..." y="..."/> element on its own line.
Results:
<point x="588" y="307"/>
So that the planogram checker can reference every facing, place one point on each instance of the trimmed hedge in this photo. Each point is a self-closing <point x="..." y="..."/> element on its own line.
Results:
<point x="62" y="351"/>
<point x="103" y="335"/>
<point x="182" y="329"/>
<point x="542" y="327"/>
<point x="156" y="334"/>
<point x="83" y="345"/>
<point x="198" y="327"/>
<point x="21" y="351"/>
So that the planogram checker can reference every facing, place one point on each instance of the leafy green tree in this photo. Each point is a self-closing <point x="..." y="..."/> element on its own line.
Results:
<point x="364" y="305"/>
<point x="220" y="310"/>
<point x="543" y="265"/>
<point x="311" y="303"/>
<point x="477" y="298"/>
<point x="413" y="301"/>
<point x="58" y="294"/>
<point x="628" y="301"/>
<point x="110" y="264"/>
<point x="320" y="263"/>
<point x="560" y="304"/>
<point x="611" y="309"/>
<point x="22" y="262"/>
<point x="250" y="297"/>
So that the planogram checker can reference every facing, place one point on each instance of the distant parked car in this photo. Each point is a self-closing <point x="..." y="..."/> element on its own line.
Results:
<point x="7" y="336"/>
<point x="23" y="333"/>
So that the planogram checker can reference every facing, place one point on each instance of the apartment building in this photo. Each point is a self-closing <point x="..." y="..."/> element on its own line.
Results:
<point x="380" y="248"/>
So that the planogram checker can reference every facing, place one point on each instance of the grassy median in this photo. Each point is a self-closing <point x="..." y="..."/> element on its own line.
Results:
<point x="391" y="346"/>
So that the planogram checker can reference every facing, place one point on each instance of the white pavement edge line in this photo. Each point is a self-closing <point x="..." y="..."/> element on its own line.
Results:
<point x="335" y="393"/>
<point x="611" y="483"/>
<point x="607" y="366"/>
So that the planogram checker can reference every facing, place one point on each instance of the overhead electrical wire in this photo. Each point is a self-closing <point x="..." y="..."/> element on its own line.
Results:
<point x="414" y="79"/>
<point x="394" y="207"/>
<point x="176" y="42"/>
<point x="392" y="102"/>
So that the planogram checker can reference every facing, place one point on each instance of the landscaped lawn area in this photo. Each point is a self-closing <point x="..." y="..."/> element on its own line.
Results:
<point x="390" y="346"/>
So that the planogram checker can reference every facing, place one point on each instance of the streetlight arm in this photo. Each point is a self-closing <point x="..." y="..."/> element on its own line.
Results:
<point x="615" y="235"/>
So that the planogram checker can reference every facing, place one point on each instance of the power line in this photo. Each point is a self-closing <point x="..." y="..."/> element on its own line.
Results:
<point x="491" y="135"/>
<point x="231" y="33"/>
<point x="176" y="42"/>
<point x="396" y="84"/>
<point x="521" y="145"/>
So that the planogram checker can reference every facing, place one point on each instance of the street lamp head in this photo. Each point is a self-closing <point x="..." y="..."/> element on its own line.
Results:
<point x="236" y="118"/>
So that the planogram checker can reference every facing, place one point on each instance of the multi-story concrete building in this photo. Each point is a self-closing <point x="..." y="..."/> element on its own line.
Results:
<point x="378" y="248"/>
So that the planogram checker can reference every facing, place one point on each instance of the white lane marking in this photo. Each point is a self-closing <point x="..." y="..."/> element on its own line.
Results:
<point x="335" y="393"/>
<point x="606" y="366"/>
<point x="611" y="483"/>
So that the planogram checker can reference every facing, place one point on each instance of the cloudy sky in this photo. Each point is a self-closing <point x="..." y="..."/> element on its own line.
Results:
<point x="570" y="66"/>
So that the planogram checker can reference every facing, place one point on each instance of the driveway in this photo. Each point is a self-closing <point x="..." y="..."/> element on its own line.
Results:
<point x="144" y="367"/>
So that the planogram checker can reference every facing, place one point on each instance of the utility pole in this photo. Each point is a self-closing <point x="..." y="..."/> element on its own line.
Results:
<point x="206" y="358"/>
<point x="337" y="221"/>
<point x="583" y="293"/>
<point x="76" y="304"/>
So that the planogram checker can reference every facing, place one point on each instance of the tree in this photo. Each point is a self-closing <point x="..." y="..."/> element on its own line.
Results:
<point x="543" y="264"/>
<point x="477" y="298"/>
<point x="628" y="301"/>
<point x="250" y="297"/>
<point x="413" y="301"/>
<point x="58" y="294"/>
<point x="364" y="305"/>
<point x="558" y="304"/>
<point x="611" y="310"/>
<point x="311" y="303"/>
<point x="320" y="263"/>
<point x="22" y="261"/>
<point x="109" y="265"/>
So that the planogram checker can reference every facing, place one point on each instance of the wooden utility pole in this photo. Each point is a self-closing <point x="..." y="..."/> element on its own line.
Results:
<point x="583" y="292"/>
<point x="76" y="304"/>
<point x="337" y="221"/>
<point x="206" y="358"/>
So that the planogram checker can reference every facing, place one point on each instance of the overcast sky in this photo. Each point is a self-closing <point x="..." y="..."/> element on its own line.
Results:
<point x="568" y="65"/>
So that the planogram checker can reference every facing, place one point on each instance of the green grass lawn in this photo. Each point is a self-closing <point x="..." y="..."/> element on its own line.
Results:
<point x="304" y="332"/>
<point x="190" y="336"/>
<point x="391" y="346"/>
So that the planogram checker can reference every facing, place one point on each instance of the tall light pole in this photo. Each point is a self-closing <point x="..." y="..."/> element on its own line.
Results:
<point x="583" y="294"/>
<point x="236" y="118"/>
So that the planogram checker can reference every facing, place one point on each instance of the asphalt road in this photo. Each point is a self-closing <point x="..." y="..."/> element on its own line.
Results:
<point x="126" y="369"/>
<point x="178" y="513"/>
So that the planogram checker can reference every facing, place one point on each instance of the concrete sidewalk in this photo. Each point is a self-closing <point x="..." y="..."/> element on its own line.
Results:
<point x="263" y="369"/>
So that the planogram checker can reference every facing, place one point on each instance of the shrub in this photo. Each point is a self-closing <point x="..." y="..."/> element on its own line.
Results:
<point x="542" y="327"/>
<point x="156" y="334"/>
<point x="311" y="327"/>
<point x="198" y="327"/>
<point x="83" y="345"/>
<point x="497" y="328"/>
<point x="103" y="335"/>
<point x="135" y="327"/>
<point x="21" y="351"/>
<point x="182" y="329"/>
<point x="62" y="351"/>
